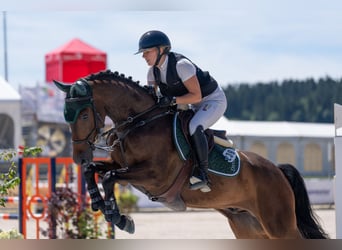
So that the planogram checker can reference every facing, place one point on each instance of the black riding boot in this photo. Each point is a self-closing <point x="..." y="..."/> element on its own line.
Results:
<point x="200" y="180"/>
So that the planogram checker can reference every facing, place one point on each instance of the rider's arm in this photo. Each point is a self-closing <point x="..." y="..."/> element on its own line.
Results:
<point x="187" y="73"/>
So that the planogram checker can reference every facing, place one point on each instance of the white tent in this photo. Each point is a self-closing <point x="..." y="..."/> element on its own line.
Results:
<point x="10" y="114"/>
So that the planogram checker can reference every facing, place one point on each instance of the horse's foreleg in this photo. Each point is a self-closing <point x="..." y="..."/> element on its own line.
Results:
<point x="96" y="198"/>
<point x="111" y="211"/>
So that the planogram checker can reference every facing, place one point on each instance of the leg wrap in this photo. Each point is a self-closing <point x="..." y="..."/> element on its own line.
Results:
<point x="96" y="199"/>
<point x="111" y="213"/>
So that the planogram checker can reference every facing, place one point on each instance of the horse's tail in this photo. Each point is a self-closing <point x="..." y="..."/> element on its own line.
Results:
<point x="306" y="221"/>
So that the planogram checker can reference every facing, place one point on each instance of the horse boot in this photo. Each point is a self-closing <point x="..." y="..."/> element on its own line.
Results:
<point x="112" y="215"/>
<point x="200" y="179"/>
<point x="95" y="195"/>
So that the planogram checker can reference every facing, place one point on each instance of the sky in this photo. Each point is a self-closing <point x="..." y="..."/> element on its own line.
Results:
<point x="236" y="41"/>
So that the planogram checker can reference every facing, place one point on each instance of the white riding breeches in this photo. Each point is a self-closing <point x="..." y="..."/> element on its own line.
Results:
<point x="209" y="110"/>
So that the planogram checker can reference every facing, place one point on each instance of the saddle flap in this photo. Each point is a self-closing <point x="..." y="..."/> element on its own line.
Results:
<point x="223" y="158"/>
<point x="181" y="132"/>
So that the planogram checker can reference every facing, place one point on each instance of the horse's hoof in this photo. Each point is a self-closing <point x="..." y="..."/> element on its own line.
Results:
<point x="129" y="225"/>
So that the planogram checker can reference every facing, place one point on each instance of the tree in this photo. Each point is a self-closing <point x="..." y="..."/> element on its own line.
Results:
<point x="290" y="100"/>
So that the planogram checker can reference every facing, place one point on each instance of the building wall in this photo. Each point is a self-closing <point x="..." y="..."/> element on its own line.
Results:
<point x="313" y="157"/>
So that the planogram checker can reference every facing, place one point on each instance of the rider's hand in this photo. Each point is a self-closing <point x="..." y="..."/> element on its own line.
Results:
<point x="167" y="101"/>
<point x="150" y="89"/>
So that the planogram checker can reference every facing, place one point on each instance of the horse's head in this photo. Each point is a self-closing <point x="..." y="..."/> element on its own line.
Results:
<point x="83" y="118"/>
<point x="92" y="98"/>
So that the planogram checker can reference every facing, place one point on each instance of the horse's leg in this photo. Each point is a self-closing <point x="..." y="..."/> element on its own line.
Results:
<point x="243" y="224"/>
<point x="96" y="198"/>
<point x="111" y="211"/>
<point x="279" y="224"/>
<point x="275" y="209"/>
<point x="270" y="198"/>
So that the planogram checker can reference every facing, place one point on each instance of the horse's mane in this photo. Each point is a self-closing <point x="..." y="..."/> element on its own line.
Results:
<point x="108" y="75"/>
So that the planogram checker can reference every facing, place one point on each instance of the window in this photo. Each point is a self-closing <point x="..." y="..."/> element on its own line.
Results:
<point x="260" y="149"/>
<point x="313" y="158"/>
<point x="286" y="154"/>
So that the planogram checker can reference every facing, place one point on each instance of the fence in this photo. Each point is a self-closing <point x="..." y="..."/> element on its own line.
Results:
<point x="39" y="179"/>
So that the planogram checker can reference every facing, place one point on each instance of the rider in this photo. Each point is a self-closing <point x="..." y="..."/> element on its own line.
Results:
<point x="180" y="81"/>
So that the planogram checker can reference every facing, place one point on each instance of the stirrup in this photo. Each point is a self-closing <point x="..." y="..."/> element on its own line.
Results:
<point x="196" y="183"/>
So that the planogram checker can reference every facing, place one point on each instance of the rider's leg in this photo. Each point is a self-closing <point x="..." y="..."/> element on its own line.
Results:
<point x="200" y="144"/>
<point x="207" y="112"/>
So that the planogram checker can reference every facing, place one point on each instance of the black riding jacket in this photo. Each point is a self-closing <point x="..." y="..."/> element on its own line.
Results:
<point x="174" y="85"/>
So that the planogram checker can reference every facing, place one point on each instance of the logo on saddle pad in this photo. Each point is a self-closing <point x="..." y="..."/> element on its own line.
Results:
<point x="229" y="154"/>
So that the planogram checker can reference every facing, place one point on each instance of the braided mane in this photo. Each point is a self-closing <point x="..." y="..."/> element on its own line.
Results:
<point x="108" y="75"/>
<point x="111" y="77"/>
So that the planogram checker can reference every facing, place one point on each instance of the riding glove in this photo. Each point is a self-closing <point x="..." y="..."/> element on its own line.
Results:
<point x="167" y="101"/>
<point x="150" y="89"/>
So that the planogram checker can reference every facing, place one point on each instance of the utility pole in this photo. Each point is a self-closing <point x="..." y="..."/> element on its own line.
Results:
<point x="5" y="45"/>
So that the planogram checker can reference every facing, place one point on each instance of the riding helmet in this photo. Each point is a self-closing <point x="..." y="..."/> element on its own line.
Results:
<point x="153" y="38"/>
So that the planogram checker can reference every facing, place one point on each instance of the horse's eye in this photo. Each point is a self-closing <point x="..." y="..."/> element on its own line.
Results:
<point x="84" y="116"/>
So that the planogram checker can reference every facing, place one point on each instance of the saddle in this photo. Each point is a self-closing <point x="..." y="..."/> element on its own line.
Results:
<point x="213" y="136"/>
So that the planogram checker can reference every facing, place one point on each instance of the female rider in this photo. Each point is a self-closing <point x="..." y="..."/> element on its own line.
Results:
<point x="180" y="81"/>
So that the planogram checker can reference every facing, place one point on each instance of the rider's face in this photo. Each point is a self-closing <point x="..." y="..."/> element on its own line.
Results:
<point x="150" y="56"/>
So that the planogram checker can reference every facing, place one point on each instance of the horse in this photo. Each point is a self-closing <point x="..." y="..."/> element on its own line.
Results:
<point x="262" y="200"/>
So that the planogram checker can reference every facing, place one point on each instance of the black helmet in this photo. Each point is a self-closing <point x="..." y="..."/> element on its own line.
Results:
<point x="153" y="38"/>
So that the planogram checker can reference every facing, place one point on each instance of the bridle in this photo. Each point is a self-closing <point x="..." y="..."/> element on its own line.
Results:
<point x="96" y="117"/>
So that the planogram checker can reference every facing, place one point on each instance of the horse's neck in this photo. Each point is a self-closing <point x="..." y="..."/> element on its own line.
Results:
<point x="124" y="101"/>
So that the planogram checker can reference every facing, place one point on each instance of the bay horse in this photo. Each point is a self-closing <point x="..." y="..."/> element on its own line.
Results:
<point x="262" y="201"/>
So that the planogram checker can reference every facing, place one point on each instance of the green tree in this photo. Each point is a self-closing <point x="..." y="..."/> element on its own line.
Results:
<point x="10" y="180"/>
<point x="290" y="100"/>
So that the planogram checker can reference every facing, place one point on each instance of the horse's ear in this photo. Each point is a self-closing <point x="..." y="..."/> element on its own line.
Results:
<point x="62" y="86"/>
